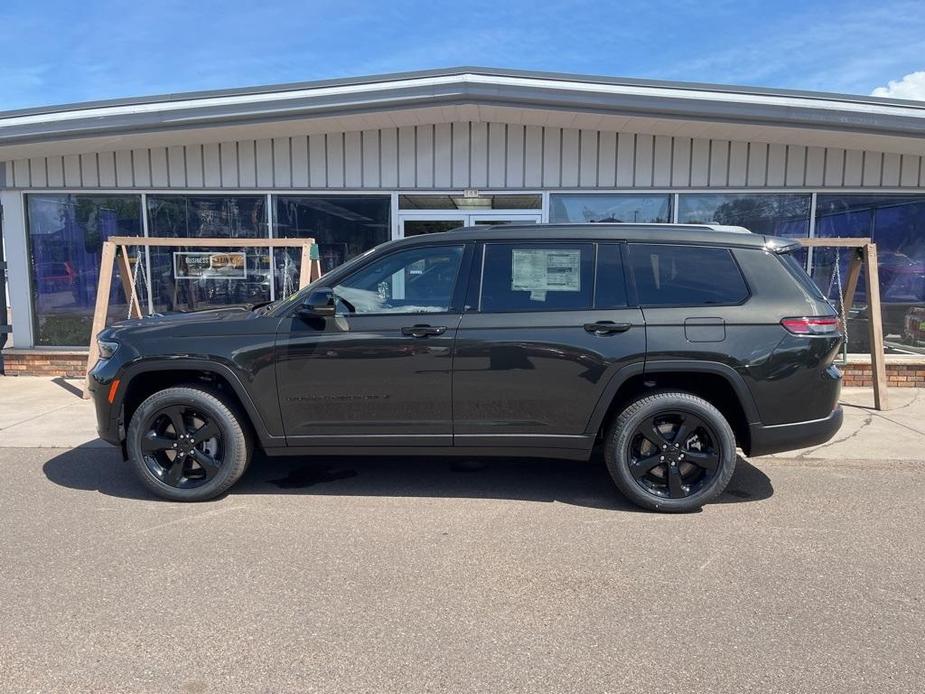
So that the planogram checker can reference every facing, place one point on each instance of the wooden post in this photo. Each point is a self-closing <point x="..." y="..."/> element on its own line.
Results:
<point x="99" y="312"/>
<point x="865" y="256"/>
<point x="851" y="283"/>
<point x="305" y="267"/>
<point x="125" y="274"/>
<point x="875" y="328"/>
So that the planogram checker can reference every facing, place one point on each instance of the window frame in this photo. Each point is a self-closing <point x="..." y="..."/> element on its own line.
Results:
<point x="457" y="296"/>
<point x="728" y="249"/>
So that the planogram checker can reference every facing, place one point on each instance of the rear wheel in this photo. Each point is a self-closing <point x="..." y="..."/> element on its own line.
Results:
<point x="671" y="452"/>
<point x="187" y="444"/>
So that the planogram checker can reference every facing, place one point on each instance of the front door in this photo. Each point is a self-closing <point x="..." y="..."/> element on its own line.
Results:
<point x="431" y="222"/>
<point x="378" y="372"/>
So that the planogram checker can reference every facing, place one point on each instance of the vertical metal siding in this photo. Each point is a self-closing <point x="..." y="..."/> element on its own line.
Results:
<point x="471" y="154"/>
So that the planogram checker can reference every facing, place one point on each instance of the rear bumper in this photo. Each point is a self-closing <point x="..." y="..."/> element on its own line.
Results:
<point x="788" y="437"/>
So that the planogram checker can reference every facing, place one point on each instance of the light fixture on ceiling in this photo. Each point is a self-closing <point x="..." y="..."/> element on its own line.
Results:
<point x="480" y="203"/>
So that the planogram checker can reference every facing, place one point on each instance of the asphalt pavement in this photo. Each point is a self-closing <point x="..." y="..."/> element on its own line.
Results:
<point x="385" y="575"/>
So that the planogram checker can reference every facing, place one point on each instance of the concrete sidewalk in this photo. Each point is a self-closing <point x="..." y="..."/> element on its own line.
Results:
<point x="49" y="413"/>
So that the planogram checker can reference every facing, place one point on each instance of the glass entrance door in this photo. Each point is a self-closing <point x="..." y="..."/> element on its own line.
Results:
<point x="417" y="223"/>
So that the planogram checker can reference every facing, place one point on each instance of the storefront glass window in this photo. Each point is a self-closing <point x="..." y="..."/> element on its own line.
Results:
<point x="188" y="278"/>
<point x="343" y="226"/>
<point x="775" y="215"/>
<point x="66" y="234"/>
<point x="580" y="208"/>
<point x="896" y="223"/>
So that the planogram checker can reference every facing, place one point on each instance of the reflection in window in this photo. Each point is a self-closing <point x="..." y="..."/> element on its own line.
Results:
<point x="419" y="280"/>
<point x="609" y="208"/>
<point x="774" y="215"/>
<point x="66" y="234"/>
<point x="207" y="216"/>
<point x="343" y="226"/>
<point x="537" y="277"/>
<point x="686" y="275"/>
<point x="896" y="223"/>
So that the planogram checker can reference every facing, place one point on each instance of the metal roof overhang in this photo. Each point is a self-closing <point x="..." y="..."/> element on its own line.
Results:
<point x="474" y="93"/>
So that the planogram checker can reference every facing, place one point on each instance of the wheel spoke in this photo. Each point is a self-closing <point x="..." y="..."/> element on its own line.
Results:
<point x="640" y="467"/>
<point x="689" y="424"/>
<point x="651" y="432"/>
<point x="208" y="463"/>
<point x="174" y="472"/>
<point x="152" y="443"/>
<point x="675" y="483"/>
<point x="707" y="460"/>
<point x="175" y="414"/>
<point x="205" y="432"/>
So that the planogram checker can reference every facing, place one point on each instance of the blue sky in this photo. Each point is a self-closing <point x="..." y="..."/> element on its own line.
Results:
<point x="57" y="52"/>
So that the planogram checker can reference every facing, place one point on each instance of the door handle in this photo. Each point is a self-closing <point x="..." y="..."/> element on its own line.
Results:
<point x="606" y="327"/>
<point x="423" y="330"/>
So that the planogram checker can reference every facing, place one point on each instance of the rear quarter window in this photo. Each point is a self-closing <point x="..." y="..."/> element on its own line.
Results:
<point x="672" y="275"/>
<point x="795" y="268"/>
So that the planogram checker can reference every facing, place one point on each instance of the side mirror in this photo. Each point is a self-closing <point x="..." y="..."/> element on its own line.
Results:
<point x="318" y="304"/>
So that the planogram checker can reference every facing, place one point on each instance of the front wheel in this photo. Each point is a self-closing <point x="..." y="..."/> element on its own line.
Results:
<point x="186" y="444"/>
<point x="671" y="452"/>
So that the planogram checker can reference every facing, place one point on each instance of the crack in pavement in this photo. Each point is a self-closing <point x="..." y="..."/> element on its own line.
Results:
<point x="867" y="421"/>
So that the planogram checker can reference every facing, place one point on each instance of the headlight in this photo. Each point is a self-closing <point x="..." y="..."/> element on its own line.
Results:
<point x="107" y="348"/>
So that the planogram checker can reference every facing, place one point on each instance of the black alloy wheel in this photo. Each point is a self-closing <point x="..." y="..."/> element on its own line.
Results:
<point x="673" y="454"/>
<point x="182" y="446"/>
<point x="188" y="443"/>
<point x="670" y="452"/>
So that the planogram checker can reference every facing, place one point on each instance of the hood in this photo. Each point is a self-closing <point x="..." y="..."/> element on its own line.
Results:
<point x="231" y="320"/>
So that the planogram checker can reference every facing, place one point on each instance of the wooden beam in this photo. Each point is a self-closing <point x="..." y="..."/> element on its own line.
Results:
<point x="125" y="274"/>
<point x="102" y="306"/>
<point x="851" y="282"/>
<point x="875" y="328"/>
<point x="305" y="268"/>
<point x="211" y="243"/>
<point x="835" y="242"/>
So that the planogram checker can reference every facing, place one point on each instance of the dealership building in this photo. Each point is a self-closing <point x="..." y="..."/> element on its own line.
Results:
<point x="355" y="162"/>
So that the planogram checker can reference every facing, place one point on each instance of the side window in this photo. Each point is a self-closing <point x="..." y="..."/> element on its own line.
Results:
<point x="418" y="280"/>
<point x="610" y="286"/>
<point x="686" y="275"/>
<point x="537" y="277"/>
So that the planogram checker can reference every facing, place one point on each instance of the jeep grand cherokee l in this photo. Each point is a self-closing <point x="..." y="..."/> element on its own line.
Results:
<point x="667" y="345"/>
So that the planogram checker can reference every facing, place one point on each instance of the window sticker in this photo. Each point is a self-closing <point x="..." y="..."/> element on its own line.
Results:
<point x="541" y="270"/>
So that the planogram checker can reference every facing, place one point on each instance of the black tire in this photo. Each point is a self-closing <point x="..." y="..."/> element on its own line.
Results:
<point x="686" y="486"/>
<point x="225" y="455"/>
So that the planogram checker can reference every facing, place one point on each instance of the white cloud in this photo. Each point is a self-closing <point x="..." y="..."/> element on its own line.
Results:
<point x="912" y="86"/>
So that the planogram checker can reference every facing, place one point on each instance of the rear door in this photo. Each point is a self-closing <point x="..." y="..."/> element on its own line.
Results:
<point x="547" y="325"/>
<point x="695" y="302"/>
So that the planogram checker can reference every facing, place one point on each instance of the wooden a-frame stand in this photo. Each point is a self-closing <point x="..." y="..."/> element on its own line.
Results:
<point x="864" y="255"/>
<point x="117" y="248"/>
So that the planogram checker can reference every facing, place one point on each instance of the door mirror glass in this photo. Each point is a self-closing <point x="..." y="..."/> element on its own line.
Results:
<point x="319" y="304"/>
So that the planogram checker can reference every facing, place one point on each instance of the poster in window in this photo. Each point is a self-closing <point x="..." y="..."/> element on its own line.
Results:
<point x="209" y="265"/>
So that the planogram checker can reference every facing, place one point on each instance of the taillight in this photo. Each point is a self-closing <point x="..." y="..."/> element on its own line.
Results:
<point x="811" y="325"/>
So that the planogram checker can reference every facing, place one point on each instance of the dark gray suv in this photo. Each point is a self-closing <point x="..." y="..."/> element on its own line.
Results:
<point x="668" y="346"/>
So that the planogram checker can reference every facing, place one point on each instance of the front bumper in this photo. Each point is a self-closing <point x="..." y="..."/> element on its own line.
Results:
<point x="99" y="382"/>
<point x="788" y="437"/>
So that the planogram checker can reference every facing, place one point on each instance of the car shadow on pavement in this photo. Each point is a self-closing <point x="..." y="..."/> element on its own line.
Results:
<point x="565" y="481"/>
